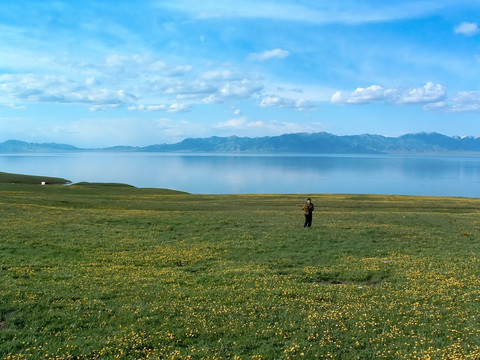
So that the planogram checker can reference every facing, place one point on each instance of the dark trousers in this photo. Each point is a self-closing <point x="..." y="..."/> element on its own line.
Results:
<point x="308" y="220"/>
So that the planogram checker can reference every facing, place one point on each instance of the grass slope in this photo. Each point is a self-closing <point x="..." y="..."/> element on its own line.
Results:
<point x="112" y="272"/>
<point x="30" y="179"/>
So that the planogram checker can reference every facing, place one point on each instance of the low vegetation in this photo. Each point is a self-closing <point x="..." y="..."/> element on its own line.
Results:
<point x="29" y="179"/>
<point x="116" y="272"/>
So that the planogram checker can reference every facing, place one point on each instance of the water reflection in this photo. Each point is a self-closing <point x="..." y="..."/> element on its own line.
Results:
<point x="227" y="174"/>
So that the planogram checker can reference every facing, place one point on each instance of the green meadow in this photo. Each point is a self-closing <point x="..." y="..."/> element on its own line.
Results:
<point x="110" y="271"/>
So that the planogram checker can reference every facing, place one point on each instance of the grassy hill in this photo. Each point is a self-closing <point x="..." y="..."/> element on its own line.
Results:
<point x="30" y="179"/>
<point x="116" y="272"/>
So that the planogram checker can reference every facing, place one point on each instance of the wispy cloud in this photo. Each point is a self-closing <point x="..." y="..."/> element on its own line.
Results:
<point x="173" y="108"/>
<point x="466" y="101"/>
<point x="54" y="89"/>
<point x="347" y="11"/>
<point x="269" y="54"/>
<point x="466" y="28"/>
<point x="211" y="92"/>
<point x="243" y="126"/>
<point x="283" y="102"/>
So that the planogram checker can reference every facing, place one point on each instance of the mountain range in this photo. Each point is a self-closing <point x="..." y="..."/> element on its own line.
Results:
<point x="323" y="143"/>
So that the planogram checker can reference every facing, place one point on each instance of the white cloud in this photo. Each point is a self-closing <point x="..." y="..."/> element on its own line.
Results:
<point x="466" y="28"/>
<point x="269" y="54"/>
<point x="219" y="92"/>
<point x="302" y="104"/>
<point x="360" y="95"/>
<point x="147" y="108"/>
<point x="437" y="106"/>
<point x="466" y="101"/>
<point x="170" y="108"/>
<point x="236" y="123"/>
<point x="257" y="124"/>
<point x="239" y="89"/>
<point x="90" y="81"/>
<point x="282" y="102"/>
<point x="276" y="101"/>
<point x="432" y="96"/>
<point x="216" y="75"/>
<point x="429" y="93"/>
<point x="178" y="108"/>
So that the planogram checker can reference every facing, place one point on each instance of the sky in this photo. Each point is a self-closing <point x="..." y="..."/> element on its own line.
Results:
<point x="118" y="72"/>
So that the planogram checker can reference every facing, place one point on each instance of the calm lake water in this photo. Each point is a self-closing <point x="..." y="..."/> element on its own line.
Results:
<point x="243" y="174"/>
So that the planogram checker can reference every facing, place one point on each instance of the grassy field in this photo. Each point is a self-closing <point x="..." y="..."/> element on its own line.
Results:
<point x="91" y="271"/>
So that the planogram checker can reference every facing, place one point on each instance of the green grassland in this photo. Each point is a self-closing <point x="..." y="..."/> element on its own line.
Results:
<point x="97" y="271"/>
<point x="30" y="179"/>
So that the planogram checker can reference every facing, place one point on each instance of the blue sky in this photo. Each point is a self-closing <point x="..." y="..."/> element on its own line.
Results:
<point x="103" y="73"/>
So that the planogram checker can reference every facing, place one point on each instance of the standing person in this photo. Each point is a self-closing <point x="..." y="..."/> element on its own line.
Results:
<point x="308" y="208"/>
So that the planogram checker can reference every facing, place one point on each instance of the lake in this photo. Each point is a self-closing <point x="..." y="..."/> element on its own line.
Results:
<point x="261" y="173"/>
